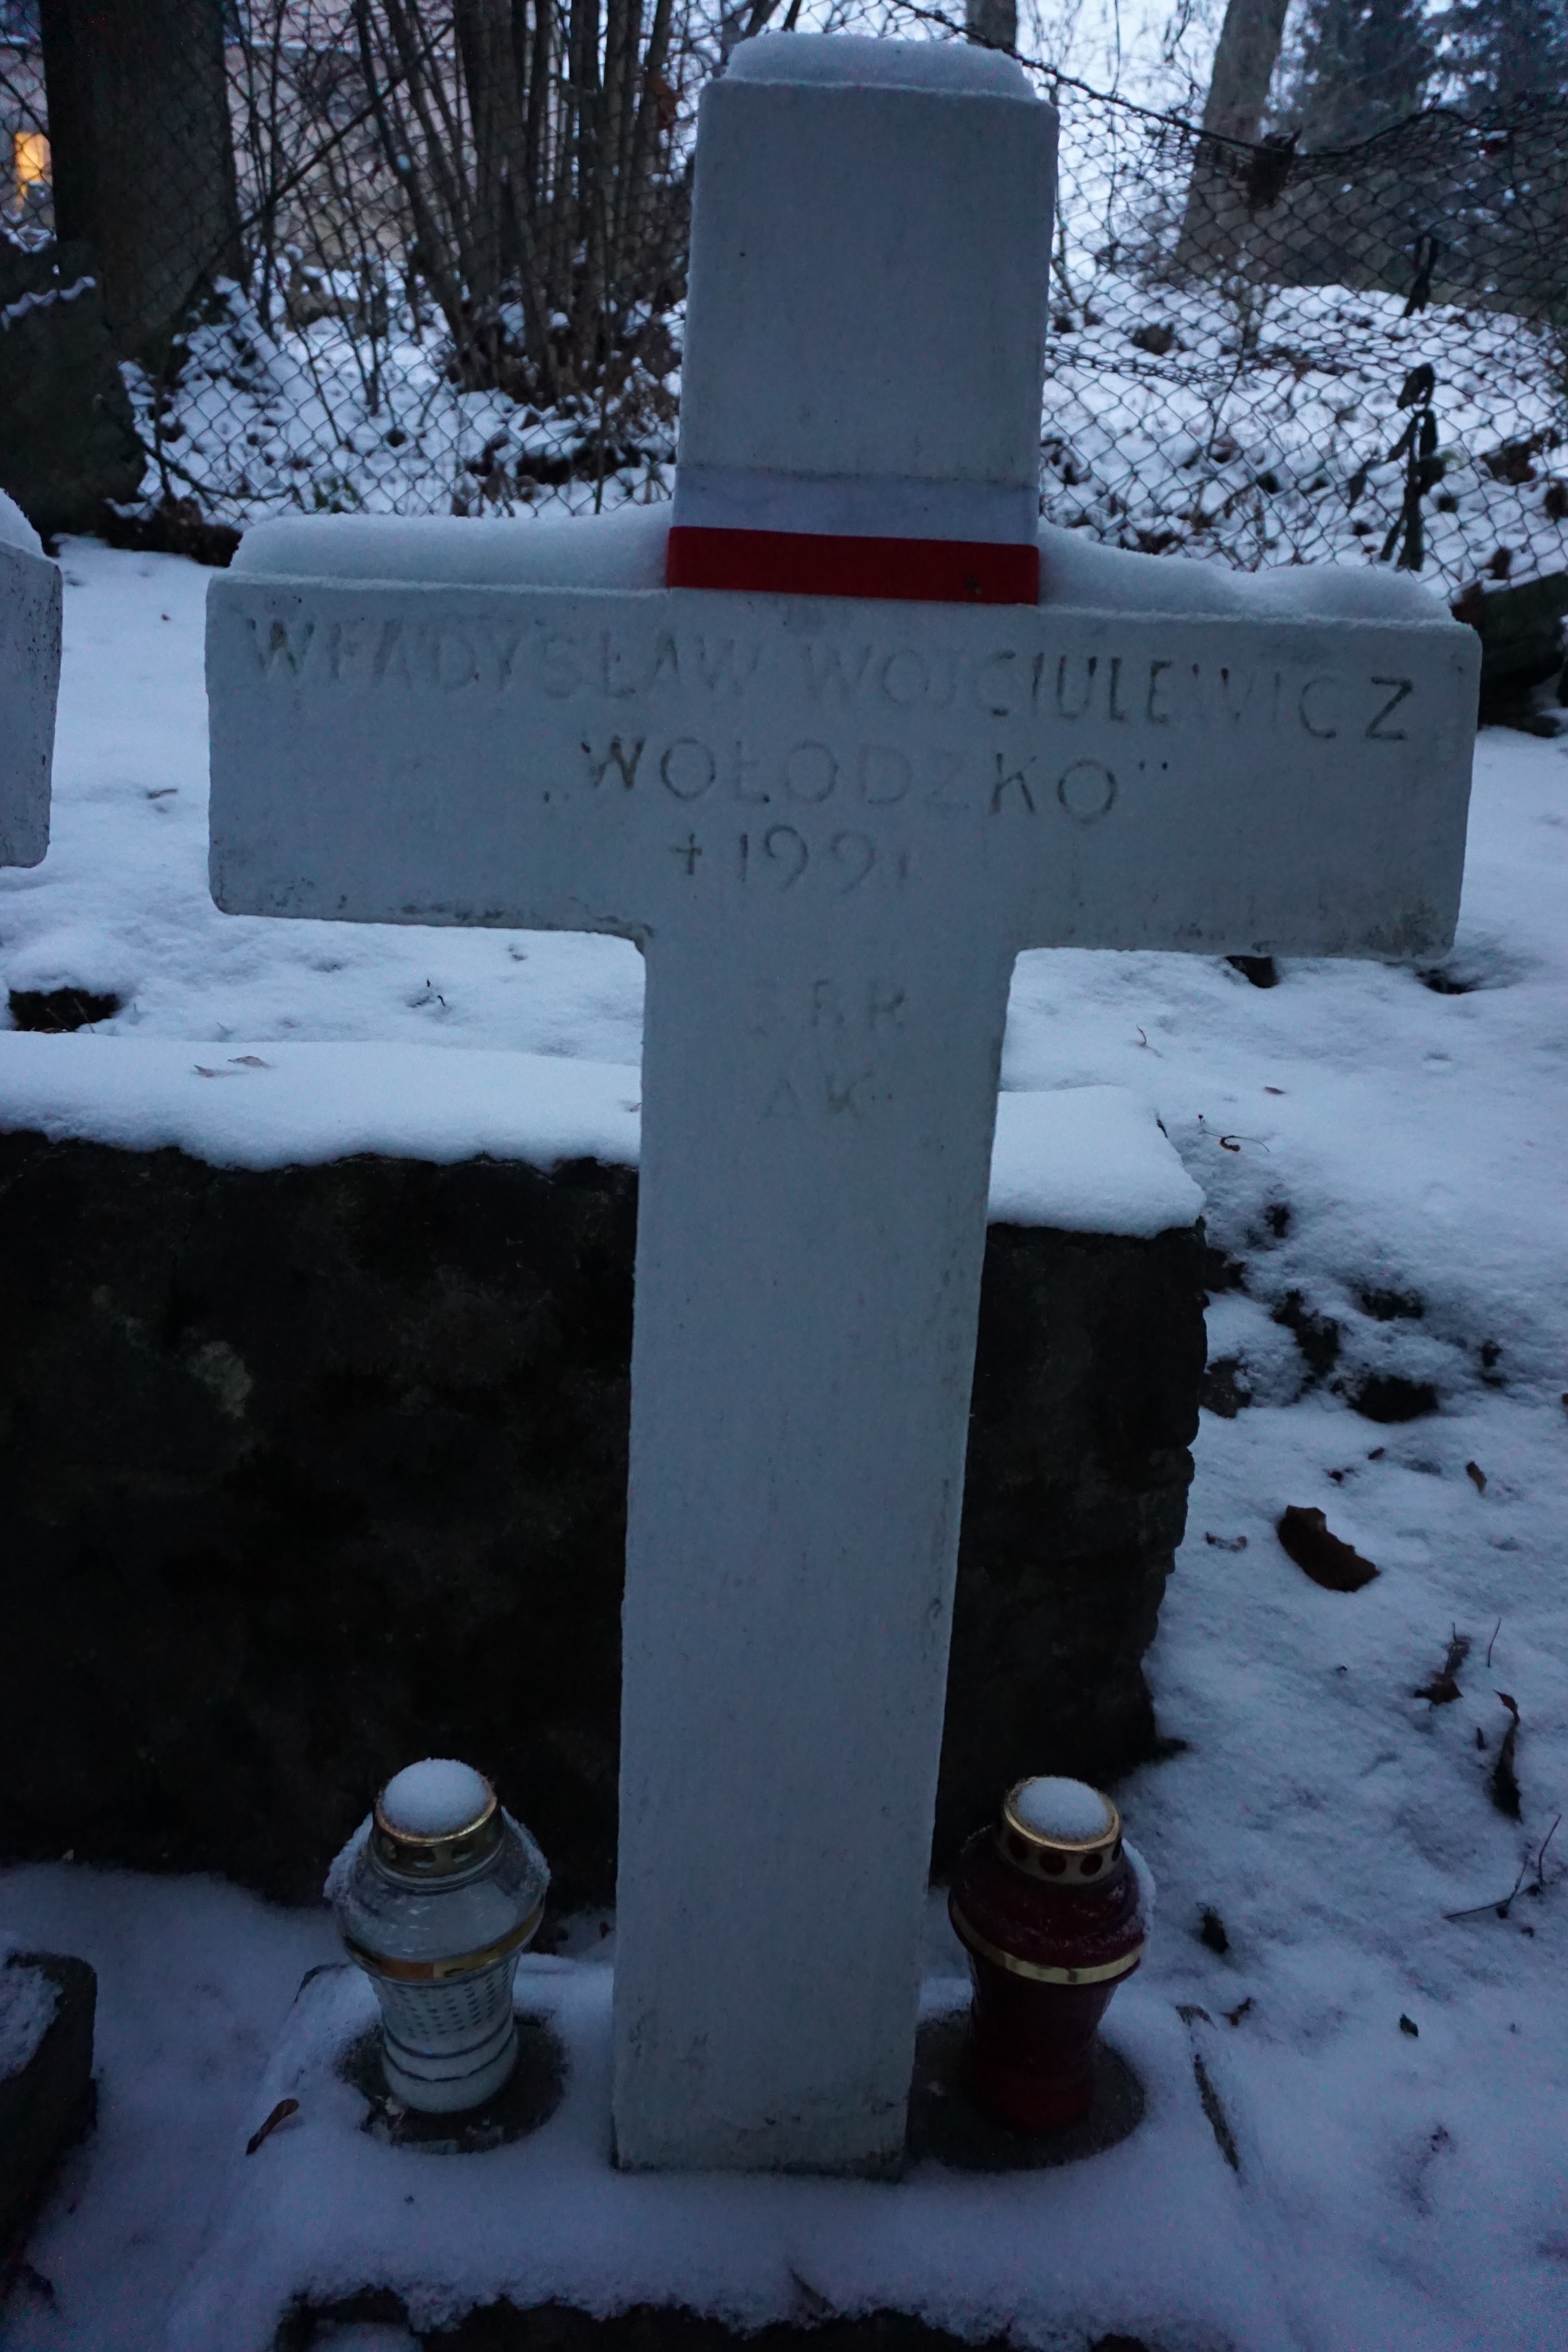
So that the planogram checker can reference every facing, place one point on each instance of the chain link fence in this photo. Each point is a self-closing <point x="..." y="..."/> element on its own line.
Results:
<point x="426" y="256"/>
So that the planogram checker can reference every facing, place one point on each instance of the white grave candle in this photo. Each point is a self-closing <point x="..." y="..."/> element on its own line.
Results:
<point x="831" y="825"/>
<point x="29" y="684"/>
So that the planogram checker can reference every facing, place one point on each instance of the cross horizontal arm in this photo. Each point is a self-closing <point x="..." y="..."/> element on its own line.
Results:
<point x="630" y="762"/>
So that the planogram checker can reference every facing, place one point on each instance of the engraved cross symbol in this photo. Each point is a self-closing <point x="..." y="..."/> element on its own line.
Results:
<point x="908" y="758"/>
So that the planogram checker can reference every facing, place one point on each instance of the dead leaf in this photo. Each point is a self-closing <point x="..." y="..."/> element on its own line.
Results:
<point x="1228" y="1143"/>
<point x="250" y="1060"/>
<point x="1234" y="2016"/>
<point x="1443" y="1690"/>
<point x="1226" y="1543"/>
<point x="1409" y="2025"/>
<point x="1502" y="1784"/>
<point x="280" y="2115"/>
<point x="1335" y="1565"/>
<point x="1477" y="1475"/>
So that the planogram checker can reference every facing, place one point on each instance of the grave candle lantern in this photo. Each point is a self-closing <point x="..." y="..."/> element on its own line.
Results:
<point x="436" y="1898"/>
<point x="1053" y="1914"/>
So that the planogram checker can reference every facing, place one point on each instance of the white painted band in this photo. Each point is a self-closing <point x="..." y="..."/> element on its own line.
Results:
<point x="874" y="506"/>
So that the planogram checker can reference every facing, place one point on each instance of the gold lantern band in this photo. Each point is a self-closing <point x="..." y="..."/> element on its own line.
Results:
<point x="1102" y="1974"/>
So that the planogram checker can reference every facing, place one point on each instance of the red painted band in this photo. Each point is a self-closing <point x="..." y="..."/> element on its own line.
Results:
<point x="818" y="564"/>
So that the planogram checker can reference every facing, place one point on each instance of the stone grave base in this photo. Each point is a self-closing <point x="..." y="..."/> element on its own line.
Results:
<point x="532" y="2241"/>
<point x="307" y="1464"/>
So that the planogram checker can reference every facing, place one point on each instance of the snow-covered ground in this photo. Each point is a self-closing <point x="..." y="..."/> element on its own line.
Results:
<point x="1383" y="1165"/>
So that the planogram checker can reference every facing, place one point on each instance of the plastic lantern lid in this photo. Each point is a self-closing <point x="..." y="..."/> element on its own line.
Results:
<point x="1059" y="1830"/>
<point x="436" y="1817"/>
<point x="1062" y="1812"/>
<point x="439" y="1798"/>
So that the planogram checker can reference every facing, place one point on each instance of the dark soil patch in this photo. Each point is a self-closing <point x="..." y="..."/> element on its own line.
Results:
<point x="56" y="1010"/>
<point x="174" y="527"/>
<point x="1261" y="971"/>
<point x="1389" y="1397"/>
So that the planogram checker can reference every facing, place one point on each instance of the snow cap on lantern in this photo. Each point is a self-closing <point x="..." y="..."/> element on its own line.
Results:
<point x="870" y="252"/>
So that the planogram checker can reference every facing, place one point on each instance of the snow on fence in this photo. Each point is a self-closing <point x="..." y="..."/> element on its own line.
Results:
<point x="460" y="272"/>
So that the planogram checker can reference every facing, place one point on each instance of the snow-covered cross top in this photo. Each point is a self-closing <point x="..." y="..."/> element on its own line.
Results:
<point x="832" y="777"/>
<point x="30" y="591"/>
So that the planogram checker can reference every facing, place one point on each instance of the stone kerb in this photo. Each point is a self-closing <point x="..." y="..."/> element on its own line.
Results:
<point x="30" y="609"/>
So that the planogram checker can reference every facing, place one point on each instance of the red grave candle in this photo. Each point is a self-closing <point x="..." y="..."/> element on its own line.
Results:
<point x="1048" y="1908"/>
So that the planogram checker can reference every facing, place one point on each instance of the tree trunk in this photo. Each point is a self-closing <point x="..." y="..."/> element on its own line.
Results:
<point x="993" y="23"/>
<point x="143" y="161"/>
<point x="1244" y="66"/>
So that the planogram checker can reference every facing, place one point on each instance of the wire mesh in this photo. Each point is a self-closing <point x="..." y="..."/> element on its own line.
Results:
<point x="438" y="268"/>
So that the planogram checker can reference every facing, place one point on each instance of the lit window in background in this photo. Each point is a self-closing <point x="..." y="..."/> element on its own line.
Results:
<point x="30" y="151"/>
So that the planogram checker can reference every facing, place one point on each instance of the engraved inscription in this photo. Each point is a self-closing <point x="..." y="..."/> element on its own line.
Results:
<point x="875" y="1005"/>
<point x="810" y="772"/>
<point x="1014" y="780"/>
<point x="1314" y="709"/>
<point x="1074" y="704"/>
<point x="272" y="643"/>
<point x="688" y="768"/>
<point x="837" y="1028"/>
<point x="458" y="658"/>
<point x="1378" y="729"/>
<point x="1087" y="791"/>
<point x="623" y="758"/>
<point x="854" y="854"/>
<point x="885" y="774"/>
<point x="786" y="851"/>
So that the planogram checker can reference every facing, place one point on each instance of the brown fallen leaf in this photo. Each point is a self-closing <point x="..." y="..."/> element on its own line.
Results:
<point x="280" y="2115"/>
<point x="1234" y="2016"/>
<point x="1226" y="1543"/>
<point x="1502" y="1781"/>
<point x="1477" y="1477"/>
<point x="1442" y="1689"/>
<point x="250" y="1060"/>
<point x="1335" y="1565"/>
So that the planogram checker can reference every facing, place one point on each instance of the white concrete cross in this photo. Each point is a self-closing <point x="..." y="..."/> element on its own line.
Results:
<point x="30" y="595"/>
<point x="830" y="821"/>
